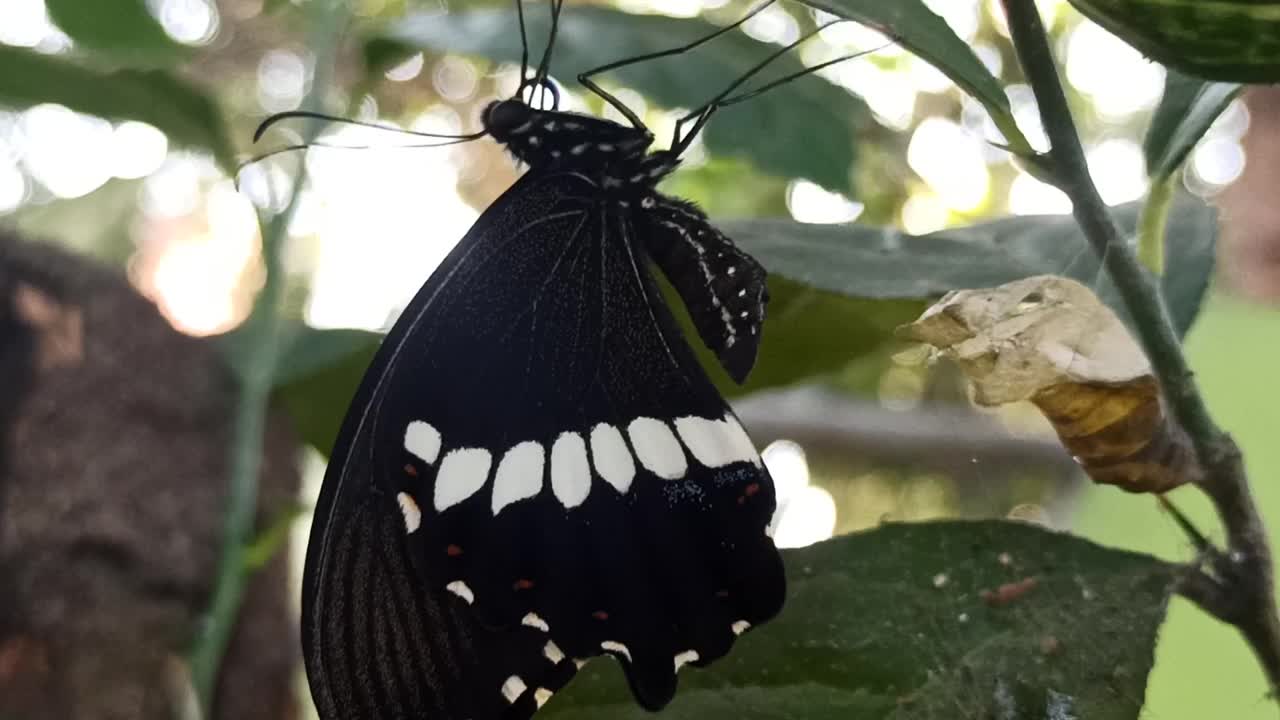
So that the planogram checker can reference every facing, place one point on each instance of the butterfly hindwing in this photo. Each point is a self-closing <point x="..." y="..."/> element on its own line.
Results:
<point x="722" y="287"/>
<point x="536" y="471"/>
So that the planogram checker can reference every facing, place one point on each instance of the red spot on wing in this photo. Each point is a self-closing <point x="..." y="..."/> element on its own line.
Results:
<point x="1009" y="592"/>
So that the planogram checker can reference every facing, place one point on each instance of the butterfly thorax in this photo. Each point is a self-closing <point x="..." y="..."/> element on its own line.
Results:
<point x="614" y="155"/>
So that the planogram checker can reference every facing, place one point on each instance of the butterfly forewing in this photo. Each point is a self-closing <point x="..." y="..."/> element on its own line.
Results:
<point x="534" y="472"/>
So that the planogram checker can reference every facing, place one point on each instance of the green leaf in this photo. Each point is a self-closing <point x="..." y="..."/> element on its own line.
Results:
<point x="929" y="37"/>
<point x="121" y="30"/>
<point x="892" y="624"/>
<point x="884" y="263"/>
<point x="187" y="115"/>
<point x="1226" y="40"/>
<point x="1186" y="110"/>
<point x="318" y="376"/>
<point x="808" y="332"/>
<point x="804" y="128"/>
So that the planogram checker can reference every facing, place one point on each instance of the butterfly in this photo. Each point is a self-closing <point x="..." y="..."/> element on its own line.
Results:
<point x="536" y="470"/>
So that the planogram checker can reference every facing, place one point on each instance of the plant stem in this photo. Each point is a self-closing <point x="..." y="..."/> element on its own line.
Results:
<point x="1245" y="576"/>
<point x="1151" y="223"/>
<point x="262" y="330"/>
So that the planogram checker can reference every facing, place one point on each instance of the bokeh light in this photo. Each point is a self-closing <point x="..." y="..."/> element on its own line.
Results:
<point x="455" y="78"/>
<point x="1118" y="170"/>
<point x="63" y="150"/>
<point x="810" y="203"/>
<point x="891" y="100"/>
<point x="408" y="69"/>
<point x="13" y="186"/>
<point x="193" y="22"/>
<point x="773" y="25"/>
<point x="386" y="217"/>
<point x="806" y="514"/>
<point x="1117" y="78"/>
<point x="282" y="80"/>
<point x="924" y="213"/>
<point x="950" y="160"/>
<point x="137" y="150"/>
<point x="25" y="23"/>
<point x="1030" y="196"/>
<point x="1218" y="161"/>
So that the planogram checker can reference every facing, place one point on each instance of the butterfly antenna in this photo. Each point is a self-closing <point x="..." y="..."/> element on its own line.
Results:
<point x="524" y="42"/>
<point x="543" y="78"/>
<point x="587" y="82"/>
<point x="306" y="146"/>
<point x="797" y="74"/>
<point x="288" y="114"/>
<point x="681" y="140"/>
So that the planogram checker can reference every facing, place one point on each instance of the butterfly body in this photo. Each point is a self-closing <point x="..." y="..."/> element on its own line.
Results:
<point x="536" y="469"/>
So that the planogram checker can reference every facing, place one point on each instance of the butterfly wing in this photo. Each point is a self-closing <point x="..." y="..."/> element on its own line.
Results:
<point x="535" y="471"/>
<point x="722" y="287"/>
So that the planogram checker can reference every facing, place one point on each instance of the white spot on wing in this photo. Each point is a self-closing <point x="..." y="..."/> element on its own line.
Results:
<point x="459" y="588"/>
<point x="552" y="652"/>
<point x="685" y="658"/>
<point x="541" y="696"/>
<point x="513" y="688"/>
<point x="534" y="620"/>
<point x="657" y="448"/>
<point x="412" y="513"/>
<point x="423" y="441"/>
<point x="616" y="648"/>
<point x="519" y="474"/>
<point x="612" y="459"/>
<point x="570" y="472"/>
<point x="578" y="663"/>
<point x="462" y="473"/>
<point x="740" y="627"/>
<point x="742" y="444"/>
<point x="712" y="442"/>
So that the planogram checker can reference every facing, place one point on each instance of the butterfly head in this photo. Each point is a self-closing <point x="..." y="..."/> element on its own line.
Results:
<point x="502" y="118"/>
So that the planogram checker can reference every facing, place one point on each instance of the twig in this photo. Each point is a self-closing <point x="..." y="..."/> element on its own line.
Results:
<point x="1151" y="223"/>
<point x="1245" y="595"/>
<point x="262" y="331"/>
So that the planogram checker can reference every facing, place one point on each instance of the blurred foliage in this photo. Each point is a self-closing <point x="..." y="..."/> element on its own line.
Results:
<point x="122" y="30"/>
<point x="188" y="115"/>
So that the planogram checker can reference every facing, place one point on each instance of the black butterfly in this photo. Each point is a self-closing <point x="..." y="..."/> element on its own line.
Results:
<point x="536" y="470"/>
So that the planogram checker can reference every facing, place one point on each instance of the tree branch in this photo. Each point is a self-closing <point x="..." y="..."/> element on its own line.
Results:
<point x="1245" y="596"/>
